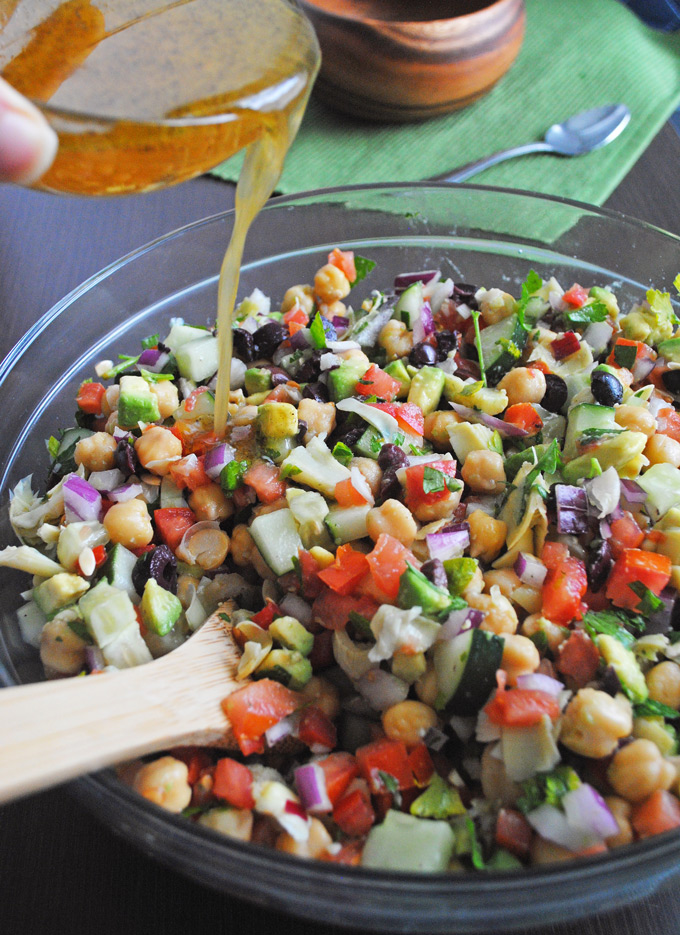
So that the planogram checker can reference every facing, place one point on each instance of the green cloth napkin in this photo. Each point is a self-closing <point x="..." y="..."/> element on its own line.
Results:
<point x="577" y="54"/>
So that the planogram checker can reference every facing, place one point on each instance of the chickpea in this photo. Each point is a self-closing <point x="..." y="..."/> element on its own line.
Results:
<point x="62" y="652"/>
<point x="245" y="415"/>
<point x="205" y="547"/>
<point x="500" y="616"/>
<point x="495" y="305"/>
<point x="621" y="810"/>
<point x="262" y="508"/>
<point x="547" y="852"/>
<point x="322" y="694"/>
<point x="157" y="448"/>
<point x="110" y="399"/>
<point x="638" y="769"/>
<point x="394" y="519"/>
<point x="426" y="686"/>
<point x="437" y="425"/>
<point x="523" y="385"/>
<point x="408" y="721"/>
<point x="396" y="339"/>
<point x="186" y="589"/>
<point x="242" y="546"/>
<point x="315" y="846"/>
<point x="662" y="449"/>
<point x="331" y="284"/>
<point x="536" y="623"/>
<point x="487" y="535"/>
<point x="167" y="397"/>
<point x="520" y="656"/>
<point x="331" y="309"/>
<point x="210" y="503"/>
<point x="300" y="295"/>
<point x="594" y="722"/>
<point x="370" y="471"/>
<point x="637" y="419"/>
<point x="505" y="578"/>
<point x="96" y="452"/>
<point x="663" y="682"/>
<point x="483" y="471"/>
<point x="234" y="822"/>
<point x="320" y="417"/>
<point x="496" y="785"/>
<point x="442" y="509"/>
<point x="164" y="781"/>
<point x="354" y="353"/>
<point x="474" y="586"/>
<point x="129" y="524"/>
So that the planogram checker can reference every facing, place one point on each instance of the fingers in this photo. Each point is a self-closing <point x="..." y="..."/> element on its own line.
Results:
<point x="27" y="142"/>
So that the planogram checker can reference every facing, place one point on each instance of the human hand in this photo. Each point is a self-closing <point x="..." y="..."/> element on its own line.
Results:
<point x="27" y="142"/>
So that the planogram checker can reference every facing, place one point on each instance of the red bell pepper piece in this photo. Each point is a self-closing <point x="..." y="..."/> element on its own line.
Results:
<point x="565" y="345"/>
<point x="346" y="571"/>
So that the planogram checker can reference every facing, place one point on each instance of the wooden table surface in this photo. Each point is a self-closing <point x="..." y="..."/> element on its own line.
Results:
<point x="61" y="872"/>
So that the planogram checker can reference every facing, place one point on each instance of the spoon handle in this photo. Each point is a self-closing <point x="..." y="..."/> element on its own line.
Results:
<point x="472" y="168"/>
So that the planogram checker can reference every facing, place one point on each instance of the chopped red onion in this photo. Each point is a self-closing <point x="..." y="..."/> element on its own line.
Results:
<point x="458" y="621"/>
<point x="604" y="493"/>
<point x="294" y="606"/>
<point x="286" y="727"/>
<point x="337" y="347"/>
<point x="404" y="280"/>
<point x="642" y="367"/>
<point x="81" y="501"/>
<point x="148" y="357"/>
<point x="586" y="810"/>
<point x="536" y="681"/>
<point x="310" y="782"/>
<point x="217" y="458"/>
<point x="450" y="543"/>
<point x="294" y="808"/>
<point x="424" y="323"/>
<point x="572" y="509"/>
<point x="381" y="689"/>
<point x="530" y="570"/>
<point x="632" y="494"/>
<point x="300" y="340"/>
<point x="506" y="429"/>
<point x="340" y="323"/>
<point x="661" y="620"/>
<point x="94" y="658"/>
<point x="119" y="434"/>
<point x="106" y="480"/>
<point x="126" y="492"/>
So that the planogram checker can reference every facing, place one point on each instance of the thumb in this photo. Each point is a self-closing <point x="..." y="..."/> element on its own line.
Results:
<point x="27" y="142"/>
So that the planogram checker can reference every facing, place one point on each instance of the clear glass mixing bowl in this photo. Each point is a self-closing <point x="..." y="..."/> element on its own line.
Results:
<point x="474" y="234"/>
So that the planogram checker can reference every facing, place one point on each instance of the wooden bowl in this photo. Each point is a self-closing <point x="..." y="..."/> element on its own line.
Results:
<point x="402" y="60"/>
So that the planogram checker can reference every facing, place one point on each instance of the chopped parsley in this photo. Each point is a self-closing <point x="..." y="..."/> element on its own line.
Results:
<point x="126" y="363"/>
<point x="435" y="481"/>
<point x="440" y="801"/>
<point x="531" y="284"/>
<point x="649" y="708"/>
<point x="649" y="602"/>
<point x="472" y="388"/>
<point x="150" y="342"/>
<point x="342" y="453"/>
<point x="587" y="314"/>
<point x="363" y="267"/>
<point x="52" y="446"/>
<point x="417" y="452"/>
<point x="616" y="623"/>
<point x="478" y="345"/>
<point x="232" y="475"/>
<point x="317" y="332"/>
<point x="151" y="377"/>
<point x="547" y="788"/>
<point x="550" y="462"/>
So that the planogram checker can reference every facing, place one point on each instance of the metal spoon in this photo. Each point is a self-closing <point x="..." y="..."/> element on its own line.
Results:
<point x="580" y="134"/>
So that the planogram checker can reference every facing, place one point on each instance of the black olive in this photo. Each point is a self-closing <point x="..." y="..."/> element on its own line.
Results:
<point x="244" y="346"/>
<point x="555" y="395"/>
<point x="302" y="431"/>
<point x="160" y="564"/>
<point x="606" y="389"/>
<point x="268" y="337"/>
<point x="125" y="458"/>
<point x="317" y="391"/>
<point x="390" y="488"/>
<point x="611" y="683"/>
<point x="391" y="458"/>
<point x="433" y="570"/>
<point x="464" y="292"/>
<point x="422" y="355"/>
<point x="600" y="561"/>
<point x="447" y="341"/>
<point x="671" y="380"/>
<point x="310" y="369"/>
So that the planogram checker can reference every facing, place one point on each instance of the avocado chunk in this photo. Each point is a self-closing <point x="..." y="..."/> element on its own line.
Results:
<point x="257" y="380"/>
<point x="659" y="732"/>
<point x="160" y="608"/>
<point x="58" y="591"/>
<point x="426" y="388"/>
<point x="460" y="572"/>
<point x="136" y="403"/>
<point x="287" y="666"/>
<point x="343" y="380"/>
<point x="670" y="349"/>
<point x="277" y="420"/>
<point x="408" y="668"/>
<point x="397" y="370"/>
<point x="625" y="665"/>
<point x="290" y="633"/>
<point x="415" y="590"/>
<point x="662" y="485"/>
<point x="404" y="842"/>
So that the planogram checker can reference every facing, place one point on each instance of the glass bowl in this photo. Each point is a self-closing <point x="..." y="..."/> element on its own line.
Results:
<point x="474" y="234"/>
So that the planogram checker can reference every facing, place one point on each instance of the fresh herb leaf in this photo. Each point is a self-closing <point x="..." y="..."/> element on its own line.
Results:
<point x="676" y="283"/>
<point x="225" y="617"/>
<point x="592" y="311"/>
<point x="150" y="342"/>
<point x="52" y="446"/>
<point x="391" y="785"/>
<point x="78" y="627"/>
<point x="191" y="810"/>
<point x="361" y="624"/>
<point x="151" y="377"/>
<point x="550" y="462"/>
<point x="547" y="788"/>
<point x="649" y="602"/>
<point x="649" y="708"/>
<point x="531" y="284"/>
<point x="625" y="355"/>
<point x="399" y="439"/>
<point x="342" y="453"/>
<point x="440" y="801"/>
<point x="232" y="475"/>
<point x="616" y="623"/>
<point x="363" y="267"/>
<point x="589" y="435"/>
<point x="377" y="441"/>
<point x="433" y="480"/>
<point x="290" y="470"/>
<point x="478" y="345"/>
<point x="126" y="363"/>
<point x="317" y="332"/>
<point x="417" y="452"/>
<point x="472" y="388"/>
<point x="475" y="848"/>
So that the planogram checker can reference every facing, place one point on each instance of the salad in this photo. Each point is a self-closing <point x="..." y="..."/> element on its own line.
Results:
<point x="448" y="520"/>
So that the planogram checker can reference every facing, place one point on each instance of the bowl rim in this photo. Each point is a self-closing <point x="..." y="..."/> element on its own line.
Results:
<point x="348" y="17"/>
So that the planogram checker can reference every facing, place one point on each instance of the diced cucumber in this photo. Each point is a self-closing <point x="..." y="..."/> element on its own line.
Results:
<point x="277" y="538"/>
<point x="466" y="670"/>
<point x="498" y="343"/>
<point x="369" y="444"/>
<point x="182" y="334"/>
<point x="583" y="417"/>
<point x="198" y="360"/>
<point x="118" y="570"/>
<point x="347" y="523"/>
<point x="171" y="495"/>
<point x="404" y="842"/>
<point x="128" y="649"/>
<point x="315" y="467"/>
<point x="67" y="447"/>
<point x="31" y="623"/>
<point x="409" y="304"/>
<point x="107" y="613"/>
<point x="662" y="485"/>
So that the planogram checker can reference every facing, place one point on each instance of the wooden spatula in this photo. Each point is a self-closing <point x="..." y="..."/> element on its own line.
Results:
<point x="54" y="731"/>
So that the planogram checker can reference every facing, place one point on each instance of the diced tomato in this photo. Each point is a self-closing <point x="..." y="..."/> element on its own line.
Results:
<point x="196" y="760"/>
<point x="316" y="729"/>
<point x="339" y="770"/>
<point x="192" y="398"/>
<point x="513" y="832"/>
<point x="566" y="345"/>
<point x="419" y="483"/>
<point x="354" y="813"/>
<point x="89" y="398"/>
<point x="294" y="327"/>
<point x="524" y="416"/>
<point x="375" y="382"/>
<point x="554" y="554"/>
<point x="198" y="443"/>
<point x="233" y="782"/>
<point x="576" y="296"/>
<point x="346" y="571"/>
<point x="297" y="316"/>
<point x="668" y="423"/>
<point x="255" y="708"/>
<point x="347" y="495"/>
<point x="521" y="707"/>
<point x="349" y="854"/>
<point x="332" y="610"/>
<point x="312" y="585"/>
<point x="409" y="416"/>
<point x="189" y="472"/>
<point x="539" y="365"/>
<point x="651" y="569"/>
<point x="421" y="765"/>
<point x="265" y="481"/>
<point x="626" y="534"/>
<point x="562" y="590"/>
<point x="658" y="813"/>
<point x="344" y="260"/>
<point x="388" y="757"/>
<point x="172" y="522"/>
<point x="578" y="657"/>
<point x="387" y="563"/>
<point x="263" y="618"/>
<point x="143" y="549"/>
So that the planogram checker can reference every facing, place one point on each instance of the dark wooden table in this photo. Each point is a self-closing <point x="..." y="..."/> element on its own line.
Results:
<point x="61" y="872"/>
